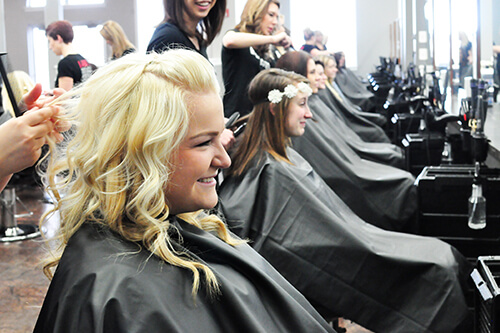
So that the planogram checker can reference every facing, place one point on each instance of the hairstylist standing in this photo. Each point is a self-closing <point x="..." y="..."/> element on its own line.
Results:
<point x="245" y="52"/>
<point x="189" y="24"/>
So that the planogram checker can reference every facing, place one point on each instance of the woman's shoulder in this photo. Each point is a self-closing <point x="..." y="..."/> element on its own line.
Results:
<point x="165" y="35"/>
<point x="167" y="27"/>
<point x="96" y="250"/>
<point x="265" y="164"/>
<point x="70" y="58"/>
<point x="307" y="47"/>
<point x="102" y="277"/>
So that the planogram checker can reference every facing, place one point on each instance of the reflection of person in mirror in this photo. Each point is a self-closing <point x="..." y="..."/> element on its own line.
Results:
<point x="465" y="63"/>
<point x="496" y="53"/>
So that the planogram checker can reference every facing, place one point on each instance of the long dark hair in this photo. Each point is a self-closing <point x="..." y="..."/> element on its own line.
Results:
<point x="210" y="25"/>
<point x="265" y="131"/>
<point x="338" y="57"/>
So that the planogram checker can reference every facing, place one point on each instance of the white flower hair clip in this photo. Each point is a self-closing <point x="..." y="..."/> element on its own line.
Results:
<point x="275" y="96"/>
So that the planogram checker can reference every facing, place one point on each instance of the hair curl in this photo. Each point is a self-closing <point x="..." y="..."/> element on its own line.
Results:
<point x="130" y="118"/>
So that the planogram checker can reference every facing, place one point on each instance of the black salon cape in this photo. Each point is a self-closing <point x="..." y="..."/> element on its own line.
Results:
<point x="104" y="284"/>
<point x="381" y="152"/>
<point x="355" y="90"/>
<point x="380" y="194"/>
<point x="376" y="118"/>
<point x="385" y="281"/>
<point x="367" y="130"/>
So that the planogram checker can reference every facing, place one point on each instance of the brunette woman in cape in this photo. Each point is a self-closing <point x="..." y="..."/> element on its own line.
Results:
<point x="353" y="88"/>
<point x="385" y="281"/>
<point x="380" y="194"/>
<point x="367" y="125"/>
<point x="140" y="255"/>
<point x="377" y="151"/>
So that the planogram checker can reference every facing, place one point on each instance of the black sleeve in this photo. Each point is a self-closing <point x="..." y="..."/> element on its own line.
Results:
<point x="168" y="36"/>
<point x="66" y="68"/>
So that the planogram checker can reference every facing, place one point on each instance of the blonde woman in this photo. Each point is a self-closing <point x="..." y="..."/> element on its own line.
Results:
<point x="246" y="52"/>
<point x="21" y="83"/>
<point x="140" y="255"/>
<point x="114" y="35"/>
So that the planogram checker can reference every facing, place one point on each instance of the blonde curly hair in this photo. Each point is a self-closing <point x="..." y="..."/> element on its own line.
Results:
<point x="129" y="119"/>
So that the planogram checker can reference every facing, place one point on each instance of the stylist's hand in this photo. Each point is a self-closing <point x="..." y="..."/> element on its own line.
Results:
<point x="36" y="99"/>
<point x="282" y="39"/>
<point x="22" y="138"/>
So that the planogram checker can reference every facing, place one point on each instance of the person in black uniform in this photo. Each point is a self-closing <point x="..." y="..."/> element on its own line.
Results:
<point x="314" y="43"/>
<point x="179" y="29"/>
<point x="73" y="68"/>
<point x="310" y="40"/>
<point x="180" y="25"/>
<point x="141" y="254"/>
<point x="245" y="52"/>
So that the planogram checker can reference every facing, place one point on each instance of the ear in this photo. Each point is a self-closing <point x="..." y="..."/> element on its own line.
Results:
<point x="271" y="109"/>
<point x="59" y="39"/>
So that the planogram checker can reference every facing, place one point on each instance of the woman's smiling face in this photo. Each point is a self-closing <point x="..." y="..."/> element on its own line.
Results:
<point x="191" y="186"/>
<point x="197" y="10"/>
<point x="312" y="75"/>
<point x="296" y="115"/>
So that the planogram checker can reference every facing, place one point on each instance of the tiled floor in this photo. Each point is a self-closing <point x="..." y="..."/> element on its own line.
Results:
<point x="23" y="285"/>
